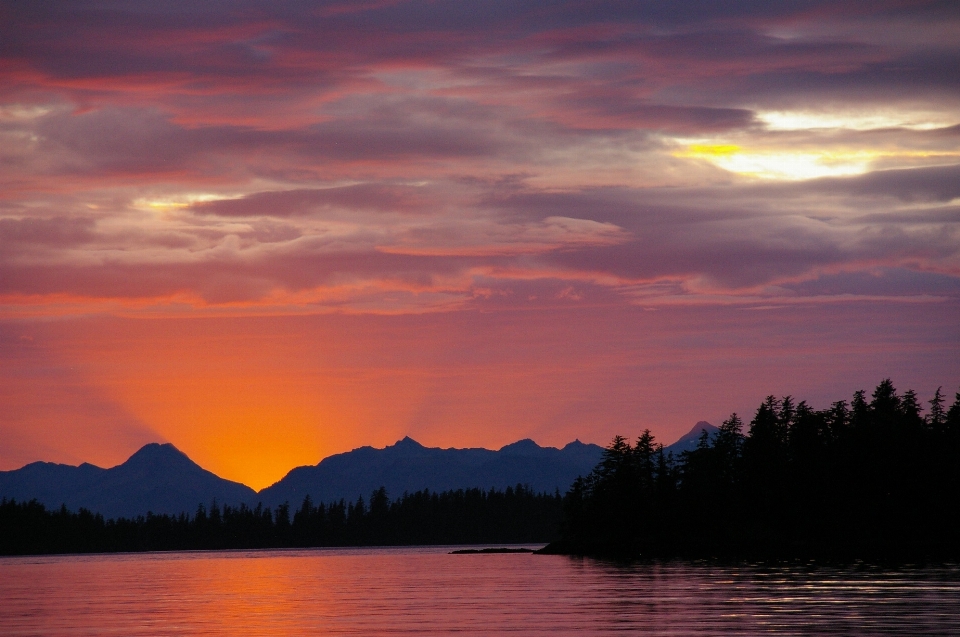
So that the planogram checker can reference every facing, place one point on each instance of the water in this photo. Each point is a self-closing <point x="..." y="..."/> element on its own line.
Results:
<point x="427" y="591"/>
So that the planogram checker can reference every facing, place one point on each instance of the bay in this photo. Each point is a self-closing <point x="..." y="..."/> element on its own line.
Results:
<point x="428" y="591"/>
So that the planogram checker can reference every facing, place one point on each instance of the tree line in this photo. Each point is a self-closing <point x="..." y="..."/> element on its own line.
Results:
<point x="466" y="516"/>
<point x="874" y="478"/>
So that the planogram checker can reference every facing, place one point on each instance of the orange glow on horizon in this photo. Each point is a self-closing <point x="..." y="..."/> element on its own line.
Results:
<point x="251" y="398"/>
<point x="270" y="236"/>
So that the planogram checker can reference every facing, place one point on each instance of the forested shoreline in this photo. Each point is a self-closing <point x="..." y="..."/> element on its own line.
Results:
<point x="876" y="478"/>
<point x="873" y="479"/>
<point x="471" y="516"/>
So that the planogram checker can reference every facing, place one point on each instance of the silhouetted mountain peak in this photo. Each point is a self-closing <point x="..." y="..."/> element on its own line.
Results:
<point x="158" y="478"/>
<point x="157" y="448"/>
<point x="689" y="440"/>
<point x="408" y="443"/>
<point x="694" y="434"/>
<point x="522" y="447"/>
<point x="158" y="452"/>
<point x="157" y="459"/>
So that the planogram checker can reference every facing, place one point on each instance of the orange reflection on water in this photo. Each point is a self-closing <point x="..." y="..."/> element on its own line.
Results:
<point x="427" y="591"/>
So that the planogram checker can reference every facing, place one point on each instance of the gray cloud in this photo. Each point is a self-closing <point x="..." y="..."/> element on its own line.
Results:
<point x="468" y="149"/>
<point x="53" y="232"/>
<point x="932" y="184"/>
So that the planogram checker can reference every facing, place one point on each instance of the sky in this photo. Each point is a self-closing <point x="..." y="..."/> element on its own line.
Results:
<point x="272" y="232"/>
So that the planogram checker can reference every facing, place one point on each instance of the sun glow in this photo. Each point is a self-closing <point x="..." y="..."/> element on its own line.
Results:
<point x="176" y="202"/>
<point x="796" y="165"/>
<point x="807" y="120"/>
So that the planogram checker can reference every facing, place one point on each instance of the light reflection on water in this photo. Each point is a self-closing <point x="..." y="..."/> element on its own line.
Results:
<point x="424" y="591"/>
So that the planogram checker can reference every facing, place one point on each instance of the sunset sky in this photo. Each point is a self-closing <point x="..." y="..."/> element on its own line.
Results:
<point x="268" y="232"/>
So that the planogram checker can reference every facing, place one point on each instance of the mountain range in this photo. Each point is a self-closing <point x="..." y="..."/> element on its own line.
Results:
<point x="157" y="478"/>
<point x="409" y="466"/>
<point x="162" y="479"/>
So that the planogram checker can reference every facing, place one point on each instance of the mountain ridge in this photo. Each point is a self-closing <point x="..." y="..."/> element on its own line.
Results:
<point x="408" y="466"/>
<point x="159" y="478"/>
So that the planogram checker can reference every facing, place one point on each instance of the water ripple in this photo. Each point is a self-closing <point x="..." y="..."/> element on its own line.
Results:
<point x="427" y="591"/>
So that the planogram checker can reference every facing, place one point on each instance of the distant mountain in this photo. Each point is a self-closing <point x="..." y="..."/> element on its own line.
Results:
<point x="50" y="483"/>
<point x="408" y="466"/>
<point x="688" y="442"/>
<point x="157" y="478"/>
<point x="162" y="479"/>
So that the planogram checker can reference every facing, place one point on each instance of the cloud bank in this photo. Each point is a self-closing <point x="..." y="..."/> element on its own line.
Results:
<point x="412" y="158"/>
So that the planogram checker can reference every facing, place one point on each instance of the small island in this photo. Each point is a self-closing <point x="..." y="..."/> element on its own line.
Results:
<point x="501" y="549"/>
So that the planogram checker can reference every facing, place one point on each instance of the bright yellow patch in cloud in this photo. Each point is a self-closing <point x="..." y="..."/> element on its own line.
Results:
<point x="804" y="120"/>
<point x="796" y="165"/>
<point x="178" y="201"/>
<point x="160" y="205"/>
<point x="712" y="150"/>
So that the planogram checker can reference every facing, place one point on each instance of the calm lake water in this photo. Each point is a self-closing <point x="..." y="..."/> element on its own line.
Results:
<point x="427" y="591"/>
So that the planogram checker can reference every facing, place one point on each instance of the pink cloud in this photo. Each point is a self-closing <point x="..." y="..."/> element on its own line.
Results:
<point x="523" y="180"/>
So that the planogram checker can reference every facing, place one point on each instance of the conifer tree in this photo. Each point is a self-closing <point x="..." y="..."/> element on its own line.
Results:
<point x="937" y="416"/>
<point x="953" y="416"/>
<point x="910" y="407"/>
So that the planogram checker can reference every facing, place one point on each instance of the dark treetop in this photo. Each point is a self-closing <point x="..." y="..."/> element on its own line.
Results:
<point x="471" y="516"/>
<point x="873" y="479"/>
